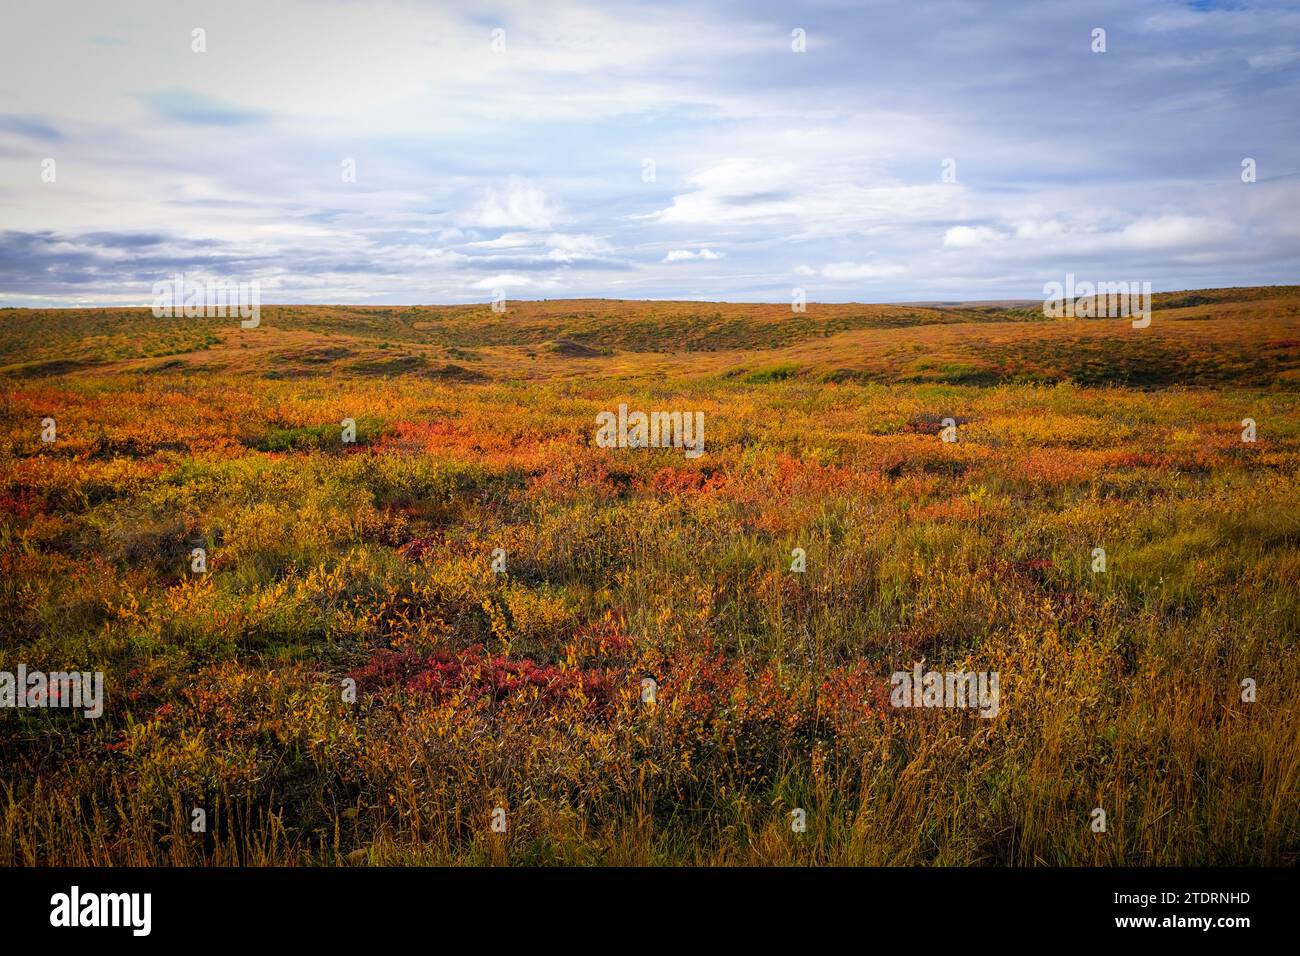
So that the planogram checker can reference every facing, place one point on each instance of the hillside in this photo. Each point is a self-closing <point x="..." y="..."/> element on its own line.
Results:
<point x="1211" y="337"/>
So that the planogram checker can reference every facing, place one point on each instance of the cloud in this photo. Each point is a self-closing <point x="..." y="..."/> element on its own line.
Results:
<point x="1038" y="230"/>
<point x="814" y="197"/>
<point x="966" y="237"/>
<point x="519" y="204"/>
<point x="1170" y="232"/>
<point x="510" y="281"/>
<point x="859" y="270"/>
<point x="735" y="190"/>
<point x="575" y="248"/>
<point x="684" y="255"/>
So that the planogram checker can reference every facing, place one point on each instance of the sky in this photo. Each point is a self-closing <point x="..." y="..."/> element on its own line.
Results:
<point x="420" y="152"/>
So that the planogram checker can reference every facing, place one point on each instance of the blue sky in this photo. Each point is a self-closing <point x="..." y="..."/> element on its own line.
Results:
<point x="525" y="168"/>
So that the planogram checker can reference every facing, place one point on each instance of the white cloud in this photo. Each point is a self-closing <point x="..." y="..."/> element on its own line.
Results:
<point x="520" y="204"/>
<point x="567" y="248"/>
<point x="967" y="237"/>
<point x="1167" y="232"/>
<point x="683" y="255"/>
<point x="514" y="281"/>
<point x="859" y="270"/>
<point x="1038" y="230"/>
<point x="507" y="240"/>
<point x="817" y="197"/>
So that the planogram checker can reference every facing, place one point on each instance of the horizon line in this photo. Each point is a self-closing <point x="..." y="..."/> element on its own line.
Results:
<point x="1006" y="301"/>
